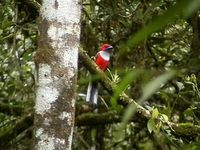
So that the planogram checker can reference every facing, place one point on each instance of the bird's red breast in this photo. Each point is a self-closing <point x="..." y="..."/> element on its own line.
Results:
<point x="101" y="62"/>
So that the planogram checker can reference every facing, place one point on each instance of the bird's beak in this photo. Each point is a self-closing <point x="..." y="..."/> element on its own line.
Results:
<point x="110" y="48"/>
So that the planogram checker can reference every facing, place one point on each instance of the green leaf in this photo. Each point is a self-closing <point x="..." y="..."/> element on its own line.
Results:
<point x="6" y="23"/>
<point x="155" y="113"/>
<point x="191" y="8"/>
<point x="182" y="9"/>
<point x="130" y="76"/>
<point x="165" y="118"/>
<point x="148" y="91"/>
<point x="155" y="84"/>
<point x="151" y="125"/>
<point x="128" y="114"/>
<point x="118" y="135"/>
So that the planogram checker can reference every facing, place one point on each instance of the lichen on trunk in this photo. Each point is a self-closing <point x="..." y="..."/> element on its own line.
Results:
<point x="56" y="61"/>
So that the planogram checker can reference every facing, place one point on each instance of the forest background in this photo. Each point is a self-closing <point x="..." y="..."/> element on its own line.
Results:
<point x="153" y="81"/>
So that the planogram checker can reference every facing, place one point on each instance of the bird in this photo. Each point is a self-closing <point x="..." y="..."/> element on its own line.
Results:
<point x="102" y="59"/>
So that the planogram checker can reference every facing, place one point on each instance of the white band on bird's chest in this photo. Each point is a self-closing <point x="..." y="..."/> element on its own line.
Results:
<point x="105" y="55"/>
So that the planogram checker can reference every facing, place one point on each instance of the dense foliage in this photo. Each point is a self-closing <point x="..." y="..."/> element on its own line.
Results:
<point x="150" y="38"/>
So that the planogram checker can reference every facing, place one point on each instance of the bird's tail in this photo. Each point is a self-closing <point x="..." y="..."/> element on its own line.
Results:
<point x="92" y="93"/>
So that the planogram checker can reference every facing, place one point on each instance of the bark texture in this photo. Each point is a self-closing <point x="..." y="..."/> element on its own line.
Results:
<point x="56" y="62"/>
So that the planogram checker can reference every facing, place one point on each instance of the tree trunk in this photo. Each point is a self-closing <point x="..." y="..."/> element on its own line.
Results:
<point x="56" y="62"/>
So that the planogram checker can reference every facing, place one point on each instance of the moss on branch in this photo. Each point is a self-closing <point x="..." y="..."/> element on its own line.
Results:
<point x="110" y="117"/>
<point x="188" y="129"/>
<point x="11" y="109"/>
<point x="93" y="119"/>
<point x="178" y="129"/>
<point x="109" y="85"/>
<point x="93" y="68"/>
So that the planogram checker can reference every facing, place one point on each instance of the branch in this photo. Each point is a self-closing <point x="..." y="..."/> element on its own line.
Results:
<point x="110" y="117"/>
<point x="11" y="109"/>
<point x="93" y="68"/>
<point x="109" y="85"/>
<point x="186" y="129"/>
<point x="177" y="128"/>
<point x="94" y="119"/>
<point x="11" y="132"/>
<point x="33" y="3"/>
